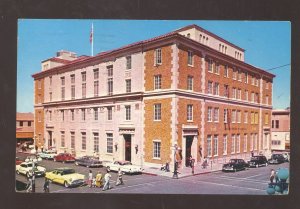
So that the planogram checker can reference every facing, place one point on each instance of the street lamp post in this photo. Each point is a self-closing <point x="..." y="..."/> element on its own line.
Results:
<point x="175" y="167"/>
<point x="33" y="161"/>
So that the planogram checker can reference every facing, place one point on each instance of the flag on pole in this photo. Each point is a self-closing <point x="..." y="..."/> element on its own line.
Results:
<point x="92" y="40"/>
<point x="91" y="34"/>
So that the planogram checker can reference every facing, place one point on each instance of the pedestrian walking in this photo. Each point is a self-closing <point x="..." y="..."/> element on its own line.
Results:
<point x="107" y="177"/>
<point x="167" y="167"/>
<point x="276" y="177"/>
<point x="46" y="186"/>
<point x="90" y="180"/>
<point x="120" y="178"/>
<point x="99" y="179"/>
<point x="30" y="181"/>
<point x="205" y="163"/>
<point x="272" y="176"/>
<point x="193" y="165"/>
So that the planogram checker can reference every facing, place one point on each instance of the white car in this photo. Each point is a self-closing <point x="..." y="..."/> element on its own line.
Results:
<point x="25" y="167"/>
<point x="125" y="166"/>
<point x="48" y="154"/>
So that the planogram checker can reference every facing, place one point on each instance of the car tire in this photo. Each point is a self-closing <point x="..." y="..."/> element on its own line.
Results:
<point x="66" y="184"/>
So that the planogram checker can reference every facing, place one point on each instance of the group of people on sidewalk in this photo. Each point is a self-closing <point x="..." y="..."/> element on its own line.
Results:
<point x="104" y="181"/>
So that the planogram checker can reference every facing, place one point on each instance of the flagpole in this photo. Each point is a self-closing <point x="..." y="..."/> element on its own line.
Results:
<point x="92" y="39"/>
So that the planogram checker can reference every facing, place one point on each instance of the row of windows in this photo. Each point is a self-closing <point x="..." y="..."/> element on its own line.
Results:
<point x="212" y="143"/>
<point x="109" y="141"/>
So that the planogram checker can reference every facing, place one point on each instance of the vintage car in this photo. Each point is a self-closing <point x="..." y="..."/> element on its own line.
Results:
<point x="65" y="176"/>
<point x="88" y="161"/>
<point x="276" y="159"/>
<point x="286" y="156"/>
<point x="259" y="160"/>
<point x="125" y="166"/>
<point x="64" y="157"/>
<point x="47" y="154"/>
<point x="235" y="165"/>
<point x="26" y="167"/>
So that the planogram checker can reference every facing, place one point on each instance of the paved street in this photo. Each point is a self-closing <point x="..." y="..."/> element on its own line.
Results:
<point x="250" y="181"/>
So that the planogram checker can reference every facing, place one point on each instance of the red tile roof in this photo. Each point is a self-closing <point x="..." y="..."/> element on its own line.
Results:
<point x="25" y="116"/>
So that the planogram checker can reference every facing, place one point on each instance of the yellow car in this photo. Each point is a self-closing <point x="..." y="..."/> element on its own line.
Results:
<point x="66" y="177"/>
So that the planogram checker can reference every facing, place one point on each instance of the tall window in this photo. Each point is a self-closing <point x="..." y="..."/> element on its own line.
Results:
<point x="233" y="116"/>
<point x="157" y="82"/>
<point x="190" y="58"/>
<point x="128" y="62"/>
<point x="239" y="76"/>
<point x="62" y="112"/>
<point x="210" y="66"/>
<point x="128" y="112"/>
<point x="190" y="83"/>
<point x="128" y="85"/>
<point x="83" y="140"/>
<point x="246" y="117"/>
<point x="251" y="141"/>
<point x="156" y="149"/>
<point x="225" y="145"/>
<point x="238" y="116"/>
<point x="110" y="79"/>
<point x="225" y="115"/>
<point x="62" y="139"/>
<point x="266" y="119"/>
<point x="226" y="71"/>
<point x="226" y="91"/>
<point x="96" y="74"/>
<point x="234" y="74"/>
<point x="50" y="115"/>
<point x="256" y="118"/>
<point x="210" y="87"/>
<point x="62" y="80"/>
<point x="217" y="69"/>
<point x="267" y="99"/>
<point x="109" y="145"/>
<point x="233" y="143"/>
<point x="157" y="112"/>
<point x="267" y="85"/>
<point x="96" y="113"/>
<point x="96" y="142"/>
<point x="276" y="123"/>
<point x="239" y="92"/>
<point x="209" y="114"/>
<point x="73" y="86"/>
<point x="216" y="89"/>
<point x="252" y="117"/>
<point x="50" y="80"/>
<point x="109" y="113"/>
<point x="73" y="140"/>
<point x="72" y="115"/>
<point x="255" y="141"/>
<point x="83" y="85"/>
<point x="209" y="146"/>
<point x="158" y="57"/>
<point x="234" y="93"/>
<point x="215" y="145"/>
<point x="83" y="114"/>
<point x="252" y="97"/>
<point x="245" y="142"/>
<point x="238" y="142"/>
<point x="189" y="112"/>
<point x="216" y="114"/>
<point x="246" y="77"/>
<point x="96" y="88"/>
<point x="50" y="96"/>
<point x="246" y="95"/>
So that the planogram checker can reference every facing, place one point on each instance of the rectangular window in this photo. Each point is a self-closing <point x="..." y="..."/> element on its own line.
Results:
<point x="216" y="114"/>
<point x="252" y="117"/>
<point x="62" y="112"/>
<point x="252" y="80"/>
<point x="39" y="84"/>
<point x="189" y="112"/>
<point x="226" y="91"/>
<point x="238" y="116"/>
<point x="72" y="115"/>
<point x="267" y="100"/>
<point x="156" y="149"/>
<point x="62" y="79"/>
<point x="225" y="145"/>
<point x="128" y="62"/>
<point x="96" y="88"/>
<point x="50" y="96"/>
<point x="62" y="139"/>
<point x="72" y="91"/>
<point x="83" y="77"/>
<point x="83" y="114"/>
<point x="29" y="123"/>
<point x="157" y="82"/>
<point x="233" y="143"/>
<point x="109" y="113"/>
<point x="110" y="86"/>
<point x="210" y="87"/>
<point x="256" y="118"/>
<point x="216" y="89"/>
<point x="210" y="66"/>
<point x="272" y="123"/>
<point x="238" y="142"/>
<point x="252" y="97"/>
<point x="245" y="142"/>
<point x="109" y="146"/>
<point x="190" y="83"/>
<point x="128" y="112"/>
<point x="246" y="77"/>
<point x="234" y="93"/>
<point x="83" y="141"/>
<point x="73" y="140"/>
<point x="233" y="116"/>
<point x="251" y="141"/>
<point x="246" y="117"/>
<point x="96" y="142"/>
<point x="255" y="142"/>
<point x="50" y="80"/>
<point x="225" y="115"/>
<point x="217" y="69"/>
<point x="226" y="71"/>
<point x="266" y="119"/>
<point x="72" y="79"/>
<point x="208" y="143"/>
<point x="215" y="145"/>
<point x="267" y="85"/>
<point x="256" y="97"/>
<point x="158" y="57"/>
<point x="83" y="90"/>
<point x="209" y="114"/>
<point x="157" y="112"/>
<point x="239" y="75"/>
<point x="190" y="58"/>
<point x="128" y="85"/>
<point x="246" y="95"/>
<point x="96" y="113"/>
<point x="276" y="123"/>
<point x="234" y="74"/>
<point x="50" y="115"/>
<point x="96" y="74"/>
<point x="110" y="71"/>
<point x="239" y="92"/>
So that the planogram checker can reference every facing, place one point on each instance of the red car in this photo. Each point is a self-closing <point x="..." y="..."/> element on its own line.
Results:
<point x="64" y="157"/>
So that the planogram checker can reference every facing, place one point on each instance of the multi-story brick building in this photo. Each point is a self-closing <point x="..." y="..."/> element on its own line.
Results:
<point x="24" y="128"/>
<point x="188" y="92"/>
<point x="281" y="130"/>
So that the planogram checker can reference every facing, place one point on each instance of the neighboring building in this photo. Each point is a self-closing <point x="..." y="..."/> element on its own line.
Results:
<point x="281" y="130"/>
<point x="24" y="127"/>
<point x="188" y="89"/>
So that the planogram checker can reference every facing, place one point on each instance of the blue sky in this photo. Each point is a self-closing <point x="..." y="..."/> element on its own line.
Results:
<point x="267" y="45"/>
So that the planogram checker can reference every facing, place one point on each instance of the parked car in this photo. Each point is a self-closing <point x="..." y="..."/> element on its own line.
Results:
<point x="125" y="167"/>
<point x="47" y="154"/>
<point x="235" y="165"/>
<point x="25" y="167"/>
<point x="64" y="157"/>
<point x="286" y="156"/>
<point x="257" y="161"/>
<point x="65" y="176"/>
<point x="88" y="161"/>
<point x="18" y="161"/>
<point x="276" y="159"/>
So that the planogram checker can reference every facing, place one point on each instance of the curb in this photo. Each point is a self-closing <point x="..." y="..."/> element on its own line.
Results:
<point x="185" y="176"/>
<point x="150" y="174"/>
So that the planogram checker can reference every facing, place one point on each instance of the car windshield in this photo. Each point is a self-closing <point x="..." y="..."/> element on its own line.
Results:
<point x="254" y="158"/>
<point x="232" y="161"/>
<point x="125" y="163"/>
<point x="69" y="171"/>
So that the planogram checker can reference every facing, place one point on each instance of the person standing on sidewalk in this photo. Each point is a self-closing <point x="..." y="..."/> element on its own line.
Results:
<point x="119" y="179"/>
<point x="193" y="165"/>
<point x="90" y="179"/>
<point x="272" y="176"/>
<point x="107" y="177"/>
